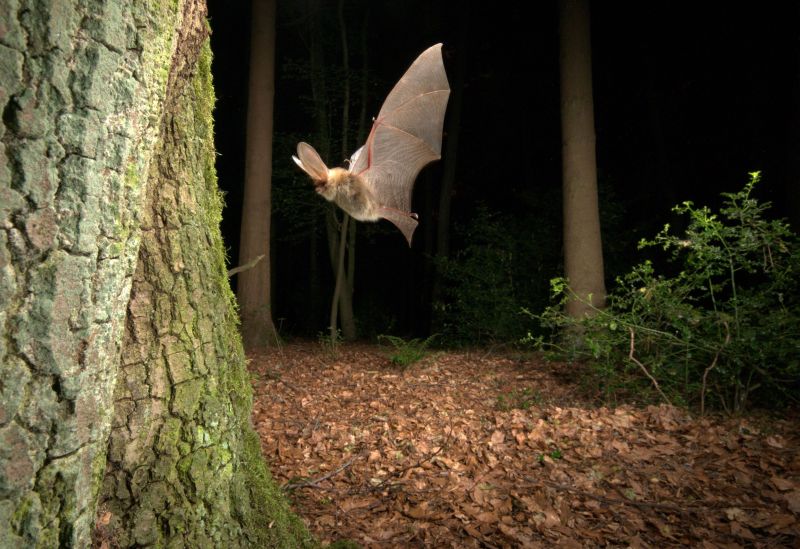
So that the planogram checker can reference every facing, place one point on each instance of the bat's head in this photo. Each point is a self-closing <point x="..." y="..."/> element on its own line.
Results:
<point x="335" y="179"/>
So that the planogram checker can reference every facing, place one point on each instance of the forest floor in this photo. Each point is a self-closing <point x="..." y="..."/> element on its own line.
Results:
<point x="478" y="449"/>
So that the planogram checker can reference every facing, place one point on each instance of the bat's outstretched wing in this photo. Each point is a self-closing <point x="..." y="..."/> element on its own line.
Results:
<point x="406" y="135"/>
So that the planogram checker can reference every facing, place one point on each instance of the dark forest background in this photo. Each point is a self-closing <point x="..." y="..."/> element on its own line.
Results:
<point x="688" y="99"/>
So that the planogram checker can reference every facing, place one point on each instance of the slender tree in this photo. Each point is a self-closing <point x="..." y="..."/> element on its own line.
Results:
<point x="449" y="158"/>
<point x="342" y="309"/>
<point x="254" y="284"/>
<point x="583" y="251"/>
<point x="342" y="301"/>
<point x="123" y="376"/>
<point x="792" y="185"/>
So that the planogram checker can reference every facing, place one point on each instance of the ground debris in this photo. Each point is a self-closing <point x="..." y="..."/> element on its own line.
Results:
<point x="478" y="450"/>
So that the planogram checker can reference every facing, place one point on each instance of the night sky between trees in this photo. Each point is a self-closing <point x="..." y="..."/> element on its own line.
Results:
<point x="688" y="99"/>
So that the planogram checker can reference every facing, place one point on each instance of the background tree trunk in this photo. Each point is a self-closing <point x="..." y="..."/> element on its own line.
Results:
<point x="344" y="267"/>
<point x="108" y="140"/>
<point x="253" y="289"/>
<point x="791" y="193"/>
<point x="342" y="310"/>
<point x="449" y="158"/>
<point x="583" y="250"/>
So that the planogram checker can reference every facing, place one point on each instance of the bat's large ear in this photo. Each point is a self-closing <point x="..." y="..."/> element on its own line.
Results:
<point x="310" y="162"/>
<point x="403" y="221"/>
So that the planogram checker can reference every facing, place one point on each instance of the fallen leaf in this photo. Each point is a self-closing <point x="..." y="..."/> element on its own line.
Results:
<point x="498" y="437"/>
<point x="782" y="484"/>
<point x="793" y="499"/>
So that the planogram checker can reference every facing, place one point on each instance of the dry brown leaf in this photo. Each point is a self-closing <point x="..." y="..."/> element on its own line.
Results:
<point x="782" y="484"/>
<point x="776" y="441"/>
<point x="782" y="521"/>
<point x="793" y="500"/>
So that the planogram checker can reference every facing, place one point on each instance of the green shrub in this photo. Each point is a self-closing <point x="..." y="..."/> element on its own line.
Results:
<point x="722" y="330"/>
<point x="407" y="352"/>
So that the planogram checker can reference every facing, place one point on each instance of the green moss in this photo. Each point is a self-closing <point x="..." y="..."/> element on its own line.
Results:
<point x="169" y="437"/>
<point x="98" y="472"/>
<point x="25" y="510"/>
<point x="266" y="500"/>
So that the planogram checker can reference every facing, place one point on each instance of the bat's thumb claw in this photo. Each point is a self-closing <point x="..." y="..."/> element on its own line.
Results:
<point x="413" y="215"/>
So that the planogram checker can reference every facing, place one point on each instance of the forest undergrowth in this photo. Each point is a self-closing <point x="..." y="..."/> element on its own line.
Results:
<point x="483" y="449"/>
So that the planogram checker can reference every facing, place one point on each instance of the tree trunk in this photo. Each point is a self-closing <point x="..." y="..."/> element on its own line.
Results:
<point x="344" y="304"/>
<point x="449" y="158"/>
<point x="583" y="251"/>
<point x="81" y="87"/>
<point x="791" y="193"/>
<point x="343" y="291"/>
<point x="109" y="206"/>
<point x="255" y="304"/>
<point x="319" y="93"/>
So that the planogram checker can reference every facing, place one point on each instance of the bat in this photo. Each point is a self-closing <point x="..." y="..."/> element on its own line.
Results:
<point x="405" y="137"/>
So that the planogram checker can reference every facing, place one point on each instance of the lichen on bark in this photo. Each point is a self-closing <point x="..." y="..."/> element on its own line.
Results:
<point x="185" y="468"/>
<point x="79" y="105"/>
<point x="106" y="178"/>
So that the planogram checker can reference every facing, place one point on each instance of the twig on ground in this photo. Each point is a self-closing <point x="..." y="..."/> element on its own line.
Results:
<point x="315" y="482"/>
<point x="425" y="459"/>
<point x="680" y="509"/>
<point x="611" y="501"/>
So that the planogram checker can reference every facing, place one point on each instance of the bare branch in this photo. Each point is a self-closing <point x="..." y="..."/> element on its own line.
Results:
<point x="249" y="265"/>
<point x="655" y="383"/>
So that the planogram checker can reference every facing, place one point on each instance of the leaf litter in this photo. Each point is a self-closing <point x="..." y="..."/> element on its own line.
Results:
<point x="472" y="449"/>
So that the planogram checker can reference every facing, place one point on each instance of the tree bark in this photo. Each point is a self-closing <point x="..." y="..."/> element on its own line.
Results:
<point x="344" y="316"/>
<point x="81" y="86"/>
<point x="791" y="192"/>
<point x="449" y="159"/>
<point x="583" y="250"/>
<point x="108" y="208"/>
<point x="253" y="293"/>
<point x="343" y="290"/>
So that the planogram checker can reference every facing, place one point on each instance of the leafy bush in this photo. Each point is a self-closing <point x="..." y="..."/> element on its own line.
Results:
<point x="723" y="330"/>
<point x="407" y="352"/>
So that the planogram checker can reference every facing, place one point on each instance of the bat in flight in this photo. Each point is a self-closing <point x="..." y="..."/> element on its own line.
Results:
<point x="406" y="136"/>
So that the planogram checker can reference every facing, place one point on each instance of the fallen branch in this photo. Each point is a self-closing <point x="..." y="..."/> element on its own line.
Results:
<point x="655" y="383"/>
<point x="315" y="482"/>
<point x="681" y="509"/>
<point x="427" y="458"/>
<point x="249" y="265"/>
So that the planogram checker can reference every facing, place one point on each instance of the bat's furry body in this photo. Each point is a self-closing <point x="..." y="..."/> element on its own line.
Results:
<point x="406" y="135"/>
<point x="351" y="193"/>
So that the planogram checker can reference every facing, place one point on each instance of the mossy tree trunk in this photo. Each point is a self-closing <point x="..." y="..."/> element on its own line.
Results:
<point x="109" y="210"/>
<point x="81" y="88"/>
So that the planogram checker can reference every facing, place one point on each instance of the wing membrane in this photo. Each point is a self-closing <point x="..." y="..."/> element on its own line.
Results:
<point x="407" y="134"/>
